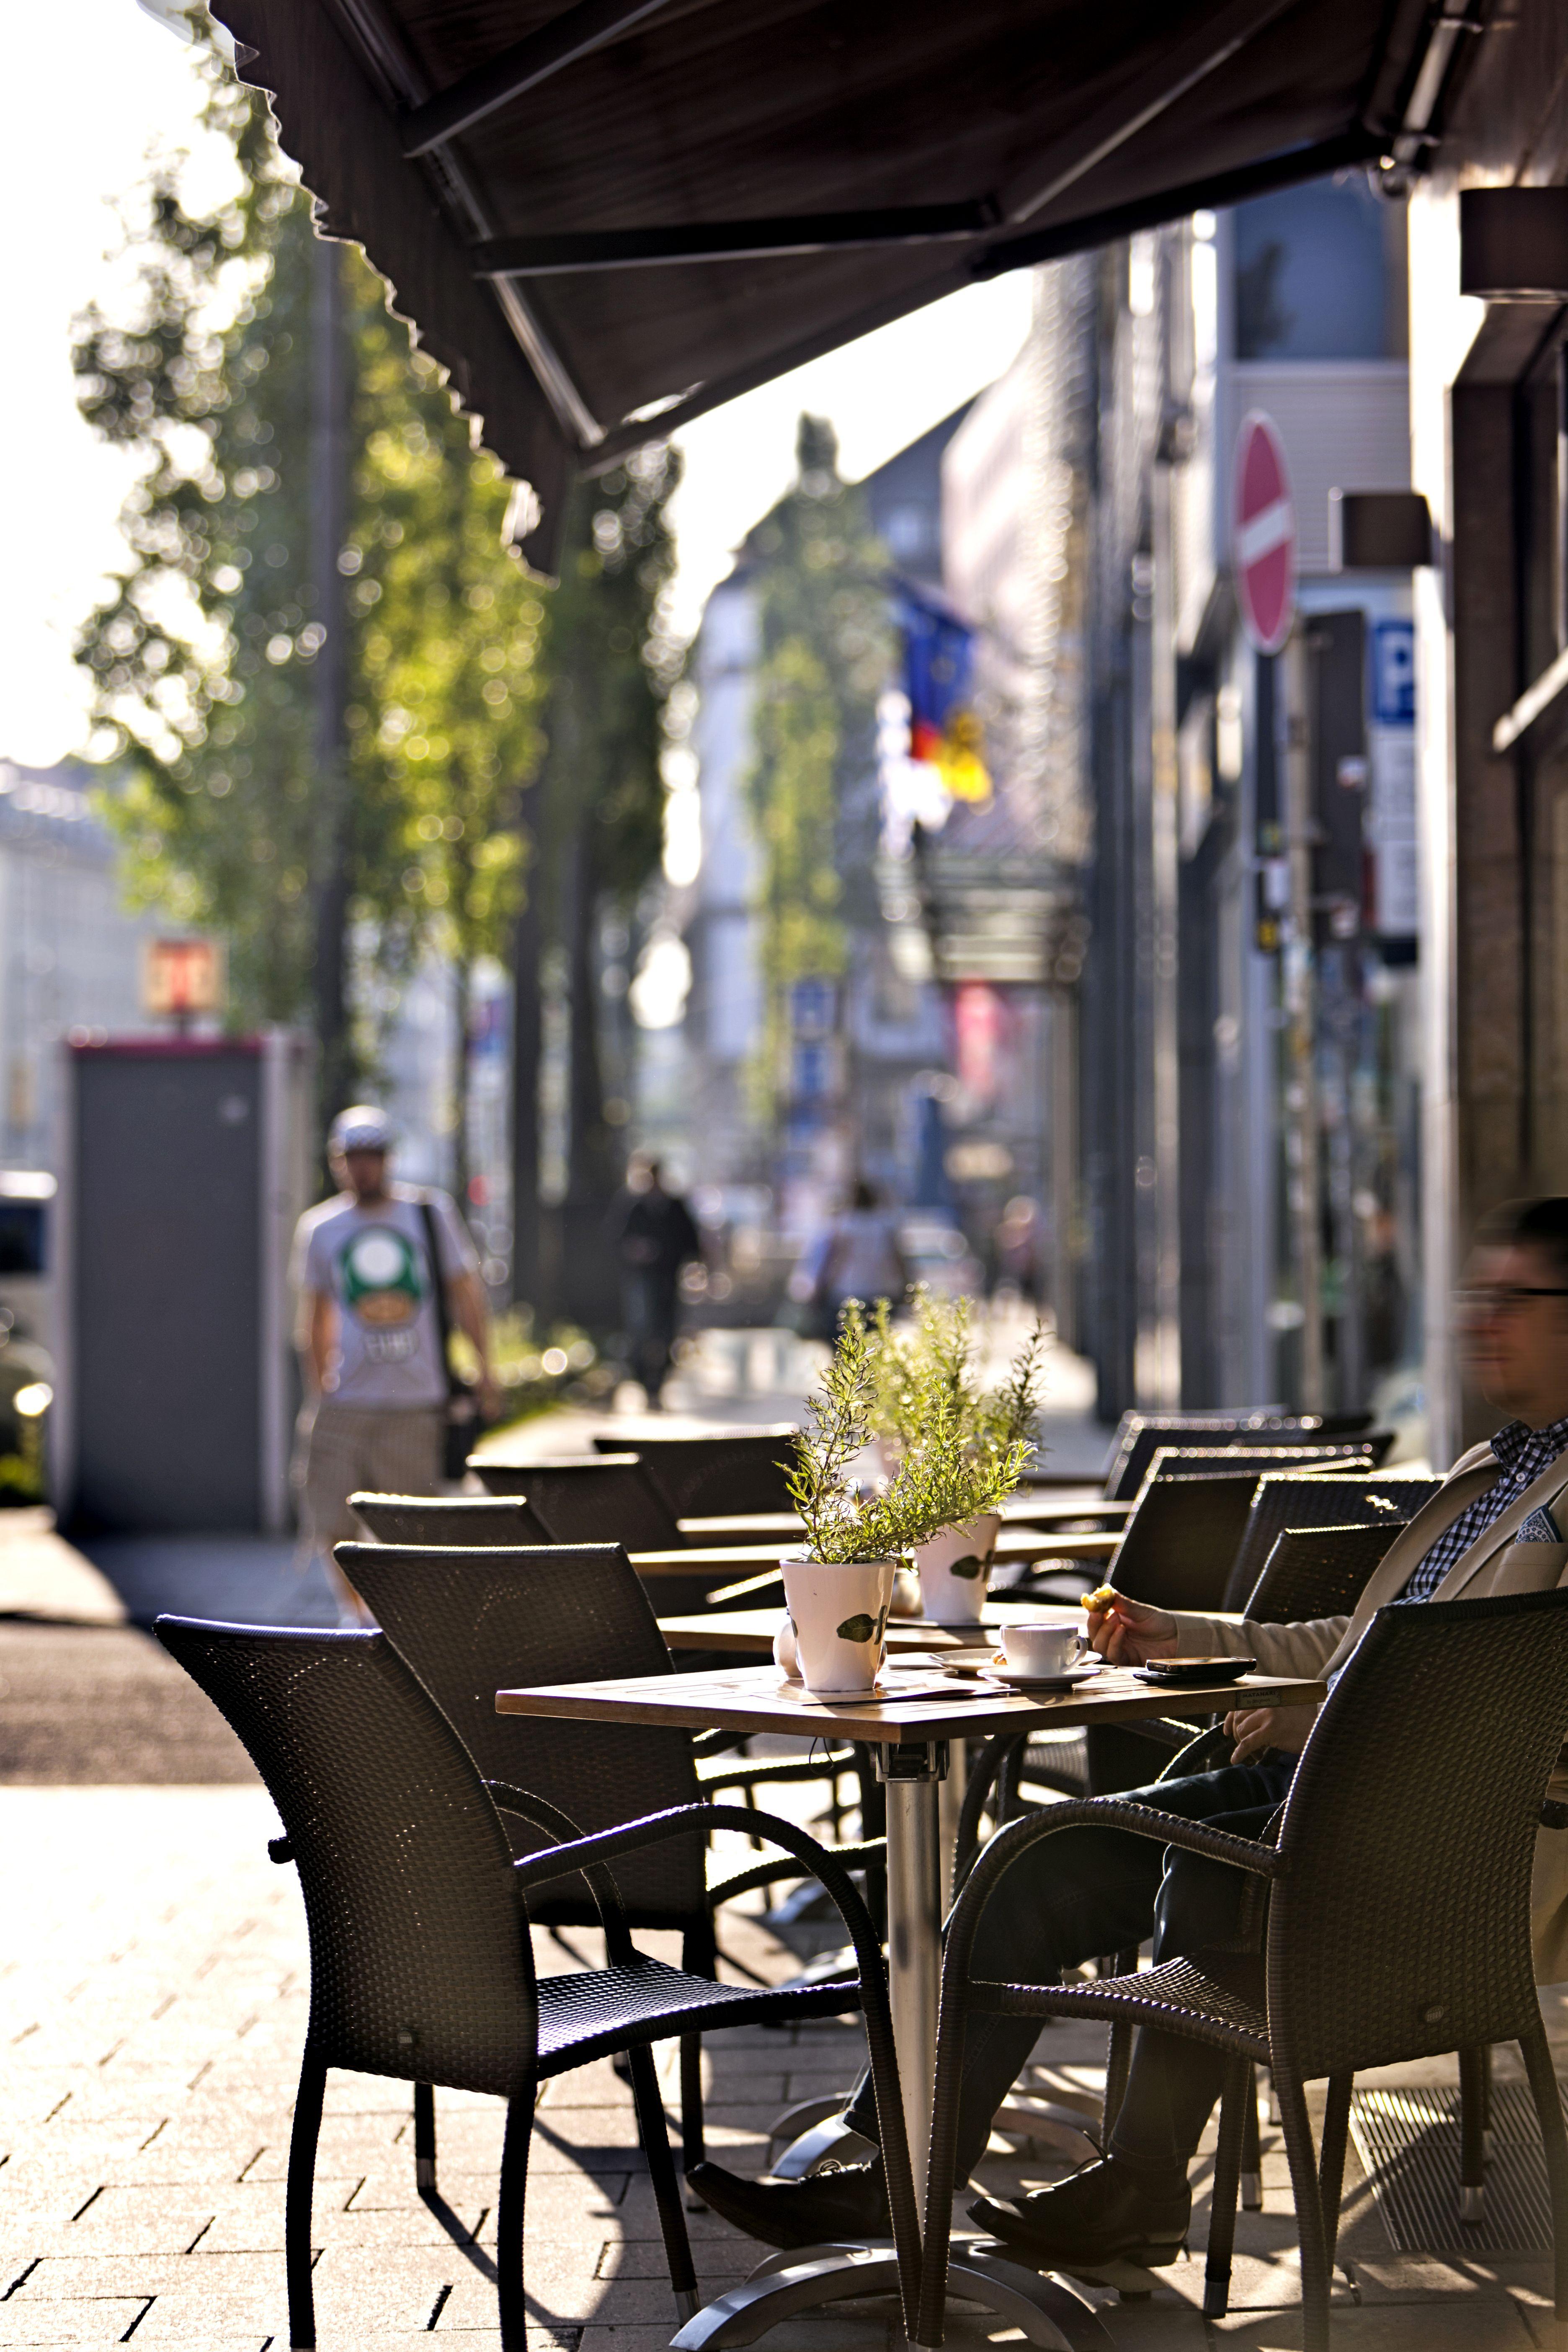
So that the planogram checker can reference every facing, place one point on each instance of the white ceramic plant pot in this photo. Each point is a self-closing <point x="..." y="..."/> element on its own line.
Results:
<point x="954" y="1567"/>
<point x="838" y="1613"/>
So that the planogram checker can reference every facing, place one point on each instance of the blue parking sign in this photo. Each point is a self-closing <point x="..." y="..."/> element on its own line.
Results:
<point x="1394" y="673"/>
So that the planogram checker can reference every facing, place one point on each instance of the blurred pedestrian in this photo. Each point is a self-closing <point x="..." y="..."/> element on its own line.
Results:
<point x="377" y="1390"/>
<point x="654" y="1234"/>
<point x="858" y="1255"/>
<point x="1016" y="1242"/>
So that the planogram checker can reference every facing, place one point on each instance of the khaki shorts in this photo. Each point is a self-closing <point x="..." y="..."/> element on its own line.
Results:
<point x="344" y="1449"/>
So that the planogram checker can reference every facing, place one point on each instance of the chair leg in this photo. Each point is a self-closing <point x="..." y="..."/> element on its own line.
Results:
<point x="699" y="1958"/>
<point x="424" y="2140"/>
<point x="1549" y="2110"/>
<point x="1119" y="2043"/>
<point x="1473" y="2132"/>
<point x="512" y="2199"/>
<point x="296" y="2209"/>
<point x="1298" y="2134"/>
<point x="1332" y="2160"/>
<point x="666" y="2192"/>
<point x="1238" y="2098"/>
<point x="1251" y="2148"/>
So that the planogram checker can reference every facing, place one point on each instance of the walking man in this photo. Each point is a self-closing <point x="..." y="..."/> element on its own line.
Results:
<point x="365" y="1267"/>
<point x="654" y="1237"/>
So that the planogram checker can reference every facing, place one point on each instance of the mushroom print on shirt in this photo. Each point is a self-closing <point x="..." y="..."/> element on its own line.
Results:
<point x="374" y="1264"/>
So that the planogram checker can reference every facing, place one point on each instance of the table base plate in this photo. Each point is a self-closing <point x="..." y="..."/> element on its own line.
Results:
<point x="1046" y="2310"/>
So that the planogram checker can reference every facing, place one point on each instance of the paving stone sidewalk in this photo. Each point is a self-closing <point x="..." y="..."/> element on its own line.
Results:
<point x="153" y="1992"/>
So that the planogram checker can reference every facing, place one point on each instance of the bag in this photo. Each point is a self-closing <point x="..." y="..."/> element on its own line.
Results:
<point x="466" y="1424"/>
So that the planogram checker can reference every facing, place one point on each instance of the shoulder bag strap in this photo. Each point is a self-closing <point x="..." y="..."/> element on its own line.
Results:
<point x="438" y="1280"/>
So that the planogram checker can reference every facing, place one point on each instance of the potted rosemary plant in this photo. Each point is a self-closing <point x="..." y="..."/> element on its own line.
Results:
<point x="930" y="1396"/>
<point x="839" y="1589"/>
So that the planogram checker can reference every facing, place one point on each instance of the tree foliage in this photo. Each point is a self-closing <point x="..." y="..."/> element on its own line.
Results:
<point x="824" y="655"/>
<point x="203" y="658"/>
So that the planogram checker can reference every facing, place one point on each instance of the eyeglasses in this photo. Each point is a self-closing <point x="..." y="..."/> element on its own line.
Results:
<point x="1476" y="1305"/>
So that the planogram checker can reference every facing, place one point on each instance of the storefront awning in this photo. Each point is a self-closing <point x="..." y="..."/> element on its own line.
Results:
<point x="623" y="212"/>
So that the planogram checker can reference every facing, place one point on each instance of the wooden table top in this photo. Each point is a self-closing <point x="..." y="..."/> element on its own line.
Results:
<point x="1015" y="1511"/>
<point x="918" y="1707"/>
<point x="754" y="1629"/>
<point x="1013" y="1544"/>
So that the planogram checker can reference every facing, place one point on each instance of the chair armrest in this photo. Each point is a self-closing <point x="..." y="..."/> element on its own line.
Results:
<point x="1553" y="1814"/>
<point x="765" y="1873"/>
<point x="607" y="1895"/>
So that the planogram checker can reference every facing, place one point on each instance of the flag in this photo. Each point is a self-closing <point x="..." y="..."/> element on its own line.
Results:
<point x="939" y="664"/>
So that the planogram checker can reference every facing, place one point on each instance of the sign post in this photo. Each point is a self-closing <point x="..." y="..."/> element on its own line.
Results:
<point x="1263" y="547"/>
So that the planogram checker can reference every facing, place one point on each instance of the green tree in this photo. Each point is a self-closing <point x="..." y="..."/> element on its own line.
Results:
<point x="825" y="650"/>
<point x="318" y="670"/>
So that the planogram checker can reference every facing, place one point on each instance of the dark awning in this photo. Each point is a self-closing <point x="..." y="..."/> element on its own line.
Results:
<point x="628" y="207"/>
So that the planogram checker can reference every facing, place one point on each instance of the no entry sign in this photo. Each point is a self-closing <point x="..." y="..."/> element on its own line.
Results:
<point x="1263" y="534"/>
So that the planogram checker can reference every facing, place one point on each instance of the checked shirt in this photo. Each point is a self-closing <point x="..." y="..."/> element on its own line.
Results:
<point x="1522" y="1453"/>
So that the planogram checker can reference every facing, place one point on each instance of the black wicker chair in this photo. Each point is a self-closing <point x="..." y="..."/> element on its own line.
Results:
<point x="594" y="1498"/>
<point x="462" y="1519"/>
<point x="1139" y="1434"/>
<point x="421" y="1963"/>
<point x="472" y="1623"/>
<point x="1288" y="1498"/>
<point x="1398" y="1923"/>
<point x="1319" y="1571"/>
<point x="705" y="1477"/>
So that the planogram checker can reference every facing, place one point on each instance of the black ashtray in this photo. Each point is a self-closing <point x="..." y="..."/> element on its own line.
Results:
<point x="1177" y="1671"/>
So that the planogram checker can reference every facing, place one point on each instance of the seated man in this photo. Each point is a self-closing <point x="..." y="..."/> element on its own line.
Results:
<point x="1497" y="1526"/>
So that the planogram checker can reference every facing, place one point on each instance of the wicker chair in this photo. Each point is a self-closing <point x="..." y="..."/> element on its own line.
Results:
<point x="1323" y="1498"/>
<point x="421" y="1963"/>
<point x="1398" y="1923"/>
<point x="472" y="1623"/>
<point x="704" y="1477"/>
<point x="1139" y="1434"/>
<point x="587" y="1500"/>
<point x="462" y="1519"/>
<point x="1319" y="1571"/>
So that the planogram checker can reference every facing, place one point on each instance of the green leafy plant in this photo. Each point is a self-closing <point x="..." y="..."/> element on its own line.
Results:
<point x="936" y="1354"/>
<point x="957" y="1459"/>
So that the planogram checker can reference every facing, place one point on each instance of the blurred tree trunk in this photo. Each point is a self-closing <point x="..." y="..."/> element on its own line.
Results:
<point x="526" y="1042"/>
<point x="329" y="526"/>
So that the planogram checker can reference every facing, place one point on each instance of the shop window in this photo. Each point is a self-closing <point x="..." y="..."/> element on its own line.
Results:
<point x="1319" y="274"/>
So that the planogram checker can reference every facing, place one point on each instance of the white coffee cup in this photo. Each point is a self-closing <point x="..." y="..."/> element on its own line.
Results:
<point x="1041" y="1649"/>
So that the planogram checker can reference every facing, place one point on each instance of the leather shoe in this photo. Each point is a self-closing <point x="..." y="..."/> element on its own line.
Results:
<point x="842" y="2201"/>
<point x="1106" y="2212"/>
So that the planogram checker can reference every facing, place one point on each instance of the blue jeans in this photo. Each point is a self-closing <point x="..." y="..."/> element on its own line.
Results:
<point x="1089" y="1891"/>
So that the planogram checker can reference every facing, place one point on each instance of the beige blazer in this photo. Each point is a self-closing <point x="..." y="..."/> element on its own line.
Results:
<point x="1495" y="1563"/>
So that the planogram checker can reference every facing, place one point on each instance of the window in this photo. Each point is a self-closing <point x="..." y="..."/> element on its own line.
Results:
<point x="1319" y="274"/>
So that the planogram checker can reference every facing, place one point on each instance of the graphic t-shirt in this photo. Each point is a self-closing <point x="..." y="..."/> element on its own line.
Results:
<point x="375" y="1264"/>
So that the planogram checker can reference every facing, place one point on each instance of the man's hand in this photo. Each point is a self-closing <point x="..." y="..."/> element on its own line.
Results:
<point x="1128" y="1632"/>
<point x="1256" y="1729"/>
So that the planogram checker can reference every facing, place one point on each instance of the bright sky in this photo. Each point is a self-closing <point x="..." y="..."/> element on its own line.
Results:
<point x="88" y="89"/>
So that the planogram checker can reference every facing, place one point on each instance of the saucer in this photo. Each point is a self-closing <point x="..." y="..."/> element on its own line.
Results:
<point x="1065" y="1677"/>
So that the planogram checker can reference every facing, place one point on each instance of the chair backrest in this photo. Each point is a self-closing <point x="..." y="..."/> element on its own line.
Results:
<point x="596" y="1498"/>
<point x="1317" y="1573"/>
<point x="1178" y="1544"/>
<point x="470" y="1623"/>
<point x="1401" y="1925"/>
<point x="1140" y="1433"/>
<point x="703" y="1477"/>
<point x="420" y="1960"/>
<point x="464" y="1520"/>
<point x="1319" y="1499"/>
<point x="1231" y="1460"/>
